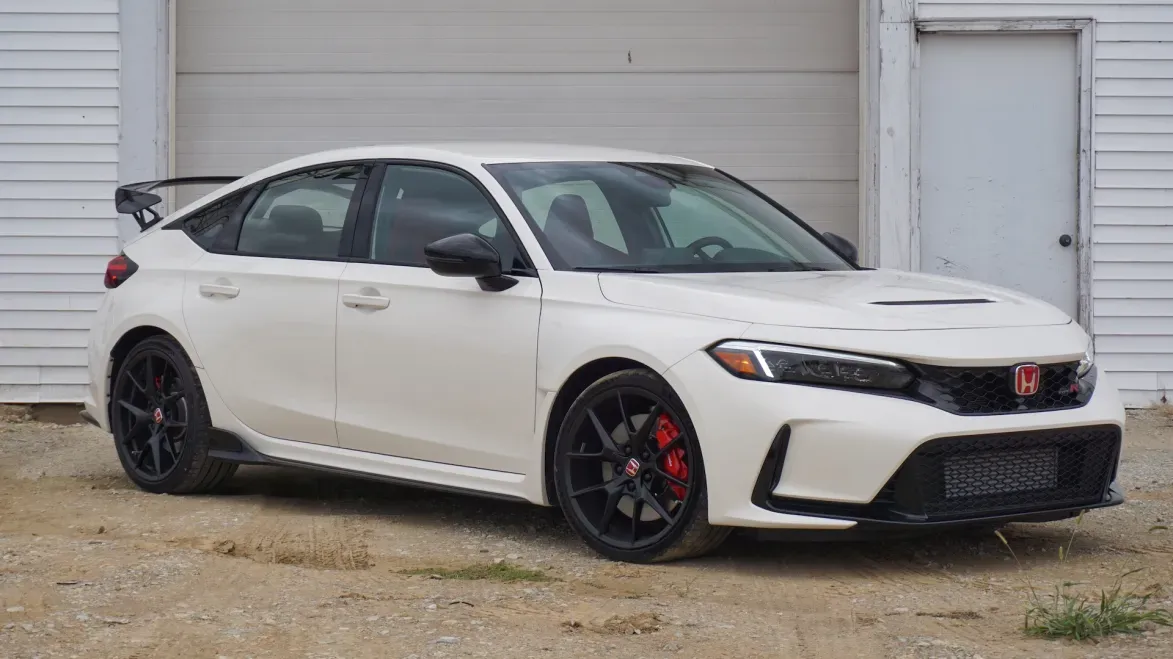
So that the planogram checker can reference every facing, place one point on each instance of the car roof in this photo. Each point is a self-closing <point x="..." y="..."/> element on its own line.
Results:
<point x="484" y="153"/>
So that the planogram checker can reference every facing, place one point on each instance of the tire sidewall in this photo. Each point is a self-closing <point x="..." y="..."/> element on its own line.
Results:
<point x="195" y="446"/>
<point x="575" y="416"/>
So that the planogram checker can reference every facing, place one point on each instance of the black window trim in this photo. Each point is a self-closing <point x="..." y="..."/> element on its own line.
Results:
<point x="228" y="237"/>
<point x="361" y="239"/>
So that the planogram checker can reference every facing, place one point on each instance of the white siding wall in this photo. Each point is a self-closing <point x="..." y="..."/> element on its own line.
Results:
<point x="58" y="167"/>
<point x="1133" y="194"/>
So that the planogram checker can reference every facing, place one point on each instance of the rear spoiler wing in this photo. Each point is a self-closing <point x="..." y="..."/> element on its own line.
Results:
<point x="136" y="199"/>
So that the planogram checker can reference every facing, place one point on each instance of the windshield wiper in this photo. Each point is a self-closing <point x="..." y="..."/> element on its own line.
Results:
<point x="798" y="267"/>
<point x="616" y="268"/>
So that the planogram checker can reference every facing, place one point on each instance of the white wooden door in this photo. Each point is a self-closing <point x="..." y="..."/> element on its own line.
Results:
<point x="999" y="121"/>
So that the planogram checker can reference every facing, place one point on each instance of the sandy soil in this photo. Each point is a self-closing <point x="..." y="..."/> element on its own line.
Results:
<point x="291" y="564"/>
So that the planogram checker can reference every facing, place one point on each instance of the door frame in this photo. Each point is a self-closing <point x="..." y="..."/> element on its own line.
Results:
<point x="1084" y="31"/>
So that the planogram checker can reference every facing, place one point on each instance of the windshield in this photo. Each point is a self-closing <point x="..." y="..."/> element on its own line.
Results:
<point x="639" y="217"/>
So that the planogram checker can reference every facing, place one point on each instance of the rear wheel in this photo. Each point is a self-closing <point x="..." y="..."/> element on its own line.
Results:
<point x="160" y="421"/>
<point x="629" y="473"/>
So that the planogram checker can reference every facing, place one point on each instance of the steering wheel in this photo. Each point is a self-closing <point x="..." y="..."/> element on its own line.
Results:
<point x="700" y="243"/>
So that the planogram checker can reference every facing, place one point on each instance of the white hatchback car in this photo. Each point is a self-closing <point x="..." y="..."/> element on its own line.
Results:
<point x="645" y="341"/>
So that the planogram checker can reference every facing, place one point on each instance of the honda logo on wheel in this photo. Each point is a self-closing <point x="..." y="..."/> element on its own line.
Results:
<point x="1027" y="378"/>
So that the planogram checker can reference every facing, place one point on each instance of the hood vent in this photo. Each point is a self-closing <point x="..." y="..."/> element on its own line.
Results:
<point x="927" y="303"/>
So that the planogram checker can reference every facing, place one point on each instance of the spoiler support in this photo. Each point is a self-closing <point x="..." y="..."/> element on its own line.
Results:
<point x="136" y="199"/>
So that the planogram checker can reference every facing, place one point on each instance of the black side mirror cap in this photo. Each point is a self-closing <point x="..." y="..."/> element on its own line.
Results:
<point x="842" y="246"/>
<point x="468" y="255"/>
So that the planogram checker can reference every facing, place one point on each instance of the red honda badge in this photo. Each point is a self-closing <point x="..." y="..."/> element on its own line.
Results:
<point x="632" y="468"/>
<point x="158" y="415"/>
<point x="1027" y="378"/>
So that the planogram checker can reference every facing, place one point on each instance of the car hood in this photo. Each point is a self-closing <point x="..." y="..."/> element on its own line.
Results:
<point x="862" y="299"/>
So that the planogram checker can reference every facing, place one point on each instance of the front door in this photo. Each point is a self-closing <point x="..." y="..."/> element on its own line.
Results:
<point x="999" y="121"/>
<point x="435" y="368"/>
<point x="262" y="310"/>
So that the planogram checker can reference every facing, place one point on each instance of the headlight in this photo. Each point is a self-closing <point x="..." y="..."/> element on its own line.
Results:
<point x="777" y="363"/>
<point x="1087" y="362"/>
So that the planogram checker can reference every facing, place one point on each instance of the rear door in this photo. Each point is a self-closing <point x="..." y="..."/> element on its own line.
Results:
<point x="261" y="306"/>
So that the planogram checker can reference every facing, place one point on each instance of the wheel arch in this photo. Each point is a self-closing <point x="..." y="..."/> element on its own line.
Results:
<point x="122" y="347"/>
<point x="578" y="381"/>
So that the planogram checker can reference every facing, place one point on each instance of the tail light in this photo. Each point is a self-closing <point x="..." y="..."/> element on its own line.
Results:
<point x="118" y="270"/>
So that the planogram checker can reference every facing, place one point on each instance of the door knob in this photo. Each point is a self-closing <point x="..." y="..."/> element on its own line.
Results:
<point x="1065" y="240"/>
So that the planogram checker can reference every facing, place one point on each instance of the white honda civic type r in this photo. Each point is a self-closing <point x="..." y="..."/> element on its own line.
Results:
<point x="643" y="340"/>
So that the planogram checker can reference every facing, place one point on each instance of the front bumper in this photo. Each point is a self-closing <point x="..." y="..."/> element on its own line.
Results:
<point x="843" y="451"/>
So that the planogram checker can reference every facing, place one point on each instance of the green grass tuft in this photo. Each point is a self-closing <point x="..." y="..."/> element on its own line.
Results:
<point x="1064" y="614"/>
<point x="502" y="572"/>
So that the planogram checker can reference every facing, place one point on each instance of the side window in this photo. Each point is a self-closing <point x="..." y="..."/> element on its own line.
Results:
<point x="420" y="205"/>
<point x="205" y="225"/>
<point x="300" y="215"/>
<point x="581" y="207"/>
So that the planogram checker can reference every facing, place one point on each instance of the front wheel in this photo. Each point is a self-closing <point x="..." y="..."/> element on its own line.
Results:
<point x="629" y="473"/>
<point x="160" y="421"/>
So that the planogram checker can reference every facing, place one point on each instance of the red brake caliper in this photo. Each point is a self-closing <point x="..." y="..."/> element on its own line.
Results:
<point x="673" y="461"/>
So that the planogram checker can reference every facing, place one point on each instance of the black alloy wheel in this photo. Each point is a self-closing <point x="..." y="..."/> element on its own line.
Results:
<point x="151" y="411"/>
<point x="160" y="422"/>
<point x="629" y="473"/>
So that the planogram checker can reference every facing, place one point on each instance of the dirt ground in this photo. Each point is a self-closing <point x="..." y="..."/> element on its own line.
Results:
<point x="292" y="564"/>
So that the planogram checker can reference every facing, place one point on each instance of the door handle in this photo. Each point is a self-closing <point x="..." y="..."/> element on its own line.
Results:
<point x="1065" y="240"/>
<point x="219" y="290"/>
<point x="355" y="301"/>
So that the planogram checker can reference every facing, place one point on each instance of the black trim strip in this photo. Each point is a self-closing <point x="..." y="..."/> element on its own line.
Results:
<point x="928" y="303"/>
<point x="771" y="471"/>
<point x="870" y="529"/>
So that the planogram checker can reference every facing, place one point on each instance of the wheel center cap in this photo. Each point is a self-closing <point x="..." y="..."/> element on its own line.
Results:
<point x="157" y="415"/>
<point x="632" y="468"/>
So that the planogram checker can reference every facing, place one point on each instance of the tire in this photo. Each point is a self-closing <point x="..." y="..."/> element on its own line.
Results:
<point x="581" y="450"/>
<point x="169" y="457"/>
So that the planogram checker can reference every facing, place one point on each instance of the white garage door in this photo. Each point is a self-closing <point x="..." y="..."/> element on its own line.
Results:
<point x="766" y="89"/>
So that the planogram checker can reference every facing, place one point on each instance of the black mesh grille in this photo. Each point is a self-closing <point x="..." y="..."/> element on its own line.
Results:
<point x="977" y="391"/>
<point x="971" y="476"/>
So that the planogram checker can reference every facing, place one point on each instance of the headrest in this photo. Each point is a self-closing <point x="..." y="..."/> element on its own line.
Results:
<point x="569" y="211"/>
<point x="296" y="219"/>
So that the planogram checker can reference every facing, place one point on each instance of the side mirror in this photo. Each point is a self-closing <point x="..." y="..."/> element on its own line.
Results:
<point x="842" y="246"/>
<point x="468" y="255"/>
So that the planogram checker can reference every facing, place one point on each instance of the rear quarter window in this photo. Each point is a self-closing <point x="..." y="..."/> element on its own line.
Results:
<point x="206" y="224"/>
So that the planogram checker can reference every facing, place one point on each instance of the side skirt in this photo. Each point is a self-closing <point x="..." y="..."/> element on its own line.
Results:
<point x="230" y="447"/>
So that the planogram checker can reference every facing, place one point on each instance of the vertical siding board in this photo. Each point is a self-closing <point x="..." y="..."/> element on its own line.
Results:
<point x="58" y="145"/>
<point x="1133" y="203"/>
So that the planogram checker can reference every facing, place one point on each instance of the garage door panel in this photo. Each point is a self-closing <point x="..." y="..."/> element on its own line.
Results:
<point x="206" y="111"/>
<point x="331" y="87"/>
<point x="674" y="139"/>
<point x="767" y="89"/>
<point x="792" y="48"/>
<point x="362" y="125"/>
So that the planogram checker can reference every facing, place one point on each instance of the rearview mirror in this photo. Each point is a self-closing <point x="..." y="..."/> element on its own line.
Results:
<point x="842" y="246"/>
<point x="468" y="255"/>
